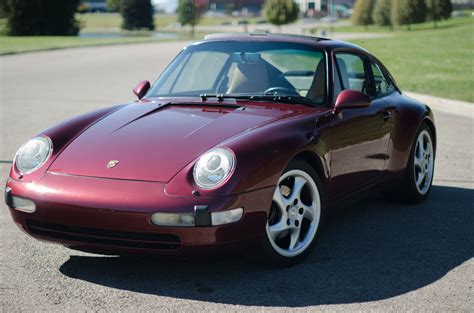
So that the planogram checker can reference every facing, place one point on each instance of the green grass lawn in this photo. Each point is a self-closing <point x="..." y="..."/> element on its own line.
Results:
<point x="438" y="62"/>
<point x="93" y="22"/>
<point x="453" y="22"/>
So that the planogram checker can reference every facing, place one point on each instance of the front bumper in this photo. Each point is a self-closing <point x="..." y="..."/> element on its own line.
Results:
<point x="114" y="216"/>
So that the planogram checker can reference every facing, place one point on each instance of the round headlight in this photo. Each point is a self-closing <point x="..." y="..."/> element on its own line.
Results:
<point x="33" y="154"/>
<point x="213" y="168"/>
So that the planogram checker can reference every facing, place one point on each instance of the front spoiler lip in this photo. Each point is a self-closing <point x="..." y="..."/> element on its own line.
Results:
<point x="120" y="205"/>
<point x="204" y="249"/>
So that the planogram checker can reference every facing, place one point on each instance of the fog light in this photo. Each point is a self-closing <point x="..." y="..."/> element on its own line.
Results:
<point x="173" y="219"/>
<point x="226" y="217"/>
<point x="22" y="204"/>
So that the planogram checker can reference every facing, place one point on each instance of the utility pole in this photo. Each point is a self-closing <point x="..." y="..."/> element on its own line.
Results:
<point x="333" y="17"/>
<point x="194" y="19"/>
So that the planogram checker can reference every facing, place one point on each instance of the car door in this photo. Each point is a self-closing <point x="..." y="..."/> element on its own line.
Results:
<point x="359" y="137"/>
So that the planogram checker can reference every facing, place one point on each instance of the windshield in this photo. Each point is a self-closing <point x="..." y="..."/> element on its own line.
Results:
<point x="246" y="69"/>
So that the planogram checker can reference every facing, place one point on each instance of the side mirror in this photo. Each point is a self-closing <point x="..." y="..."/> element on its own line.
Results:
<point x="141" y="89"/>
<point x="351" y="99"/>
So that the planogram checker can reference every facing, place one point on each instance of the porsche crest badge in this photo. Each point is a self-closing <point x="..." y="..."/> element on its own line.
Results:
<point x="112" y="163"/>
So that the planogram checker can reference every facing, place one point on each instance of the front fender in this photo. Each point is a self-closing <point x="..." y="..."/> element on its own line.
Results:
<point x="62" y="135"/>
<point x="262" y="154"/>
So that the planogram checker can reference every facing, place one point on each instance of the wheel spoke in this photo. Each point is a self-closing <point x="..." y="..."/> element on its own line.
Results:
<point x="419" y="179"/>
<point x="418" y="162"/>
<point x="428" y="149"/>
<point x="298" y="187"/>
<point x="309" y="212"/>
<point x="294" y="238"/>
<point x="277" y="229"/>
<point x="422" y="143"/>
<point x="280" y="200"/>
<point x="418" y="150"/>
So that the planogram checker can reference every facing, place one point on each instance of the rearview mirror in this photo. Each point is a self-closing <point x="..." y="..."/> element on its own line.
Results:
<point x="141" y="89"/>
<point x="351" y="99"/>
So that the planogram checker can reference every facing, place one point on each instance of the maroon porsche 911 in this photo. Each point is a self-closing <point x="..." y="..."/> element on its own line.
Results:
<point x="244" y="143"/>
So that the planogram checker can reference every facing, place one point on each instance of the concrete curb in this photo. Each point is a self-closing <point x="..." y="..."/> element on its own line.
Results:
<point x="450" y="106"/>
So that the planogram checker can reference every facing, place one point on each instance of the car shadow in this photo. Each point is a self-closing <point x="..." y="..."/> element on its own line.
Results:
<point x="371" y="251"/>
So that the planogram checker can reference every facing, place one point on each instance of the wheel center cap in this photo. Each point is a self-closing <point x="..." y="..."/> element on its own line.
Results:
<point x="293" y="213"/>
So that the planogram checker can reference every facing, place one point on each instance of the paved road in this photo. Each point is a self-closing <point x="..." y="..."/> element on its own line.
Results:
<point x="375" y="255"/>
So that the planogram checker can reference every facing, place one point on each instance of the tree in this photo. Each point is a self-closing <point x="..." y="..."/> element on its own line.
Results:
<point x="42" y="17"/>
<point x="113" y="5"/>
<point x="137" y="14"/>
<point x="407" y="12"/>
<point x="381" y="13"/>
<point x="281" y="12"/>
<point x="3" y="8"/>
<point x="189" y="13"/>
<point x="439" y="10"/>
<point x="363" y="12"/>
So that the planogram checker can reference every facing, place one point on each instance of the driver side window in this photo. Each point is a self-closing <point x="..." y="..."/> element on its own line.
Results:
<point x="352" y="72"/>
<point x="382" y="85"/>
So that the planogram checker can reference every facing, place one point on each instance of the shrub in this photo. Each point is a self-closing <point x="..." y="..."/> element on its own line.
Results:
<point x="188" y="12"/>
<point x="137" y="14"/>
<point x="381" y="13"/>
<point x="3" y="8"/>
<point x="363" y="12"/>
<point x="407" y="12"/>
<point x="281" y="12"/>
<point x="113" y="5"/>
<point x="42" y="17"/>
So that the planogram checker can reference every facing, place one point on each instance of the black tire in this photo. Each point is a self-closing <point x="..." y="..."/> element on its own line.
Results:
<point x="266" y="253"/>
<point x="408" y="191"/>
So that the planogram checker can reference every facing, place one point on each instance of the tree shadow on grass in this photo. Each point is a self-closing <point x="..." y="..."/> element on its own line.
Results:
<point x="372" y="251"/>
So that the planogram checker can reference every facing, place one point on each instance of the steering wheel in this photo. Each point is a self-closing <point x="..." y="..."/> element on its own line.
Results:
<point x="281" y="91"/>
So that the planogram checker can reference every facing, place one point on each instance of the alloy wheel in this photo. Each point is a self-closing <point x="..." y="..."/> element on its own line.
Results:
<point x="295" y="213"/>
<point x="424" y="162"/>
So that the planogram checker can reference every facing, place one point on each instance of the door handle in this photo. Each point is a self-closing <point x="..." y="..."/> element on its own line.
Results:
<point x="386" y="115"/>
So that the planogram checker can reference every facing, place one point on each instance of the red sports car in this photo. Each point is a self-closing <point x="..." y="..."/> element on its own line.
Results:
<point x="245" y="141"/>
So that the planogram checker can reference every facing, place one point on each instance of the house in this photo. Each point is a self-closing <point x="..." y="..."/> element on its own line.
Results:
<point x="317" y="6"/>
<point x="254" y="7"/>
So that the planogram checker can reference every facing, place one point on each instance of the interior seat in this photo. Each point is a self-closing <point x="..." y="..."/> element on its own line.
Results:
<point x="318" y="86"/>
<point x="344" y="75"/>
<point x="249" y="78"/>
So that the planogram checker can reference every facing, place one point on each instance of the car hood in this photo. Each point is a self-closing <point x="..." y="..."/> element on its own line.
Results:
<point x="153" y="141"/>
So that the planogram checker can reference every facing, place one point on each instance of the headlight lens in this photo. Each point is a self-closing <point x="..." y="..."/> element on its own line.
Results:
<point x="213" y="168"/>
<point x="33" y="154"/>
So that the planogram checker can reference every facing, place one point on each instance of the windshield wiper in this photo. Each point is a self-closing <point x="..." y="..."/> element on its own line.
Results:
<point x="286" y="99"/>
<point x="220" y="96"/>
<point x="273" y="98"/>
